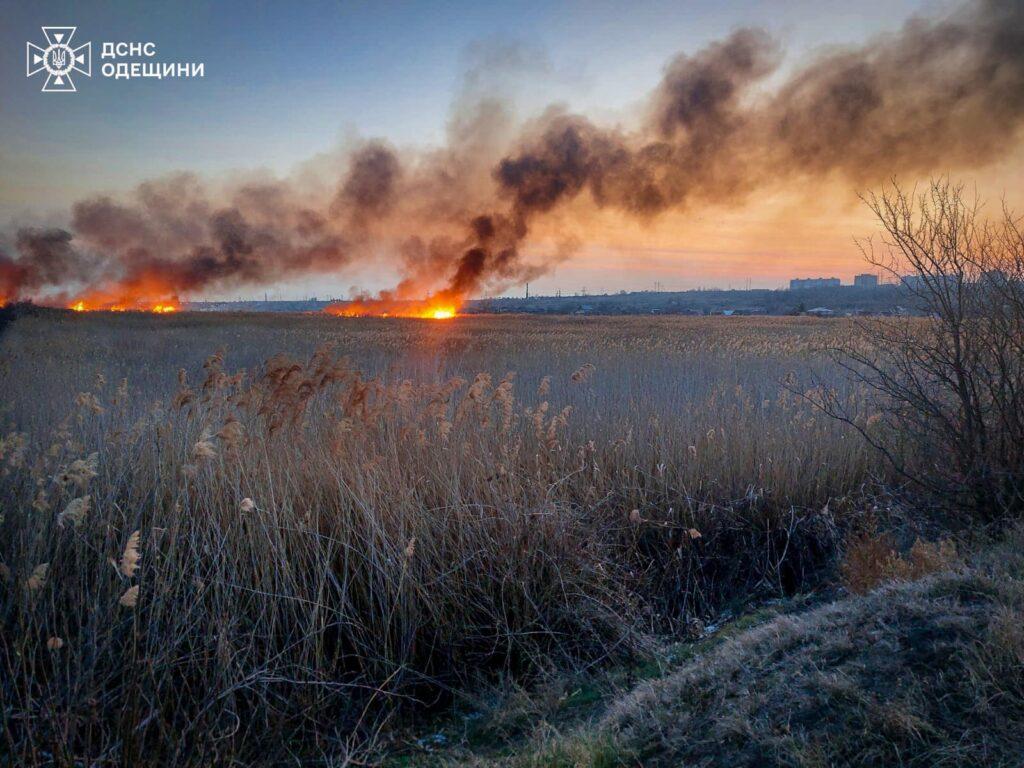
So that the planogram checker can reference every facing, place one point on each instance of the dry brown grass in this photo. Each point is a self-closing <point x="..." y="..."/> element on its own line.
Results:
<point x="872" y="558"/>
<point x="270" y="551"/>
<point x="919" y="673"/>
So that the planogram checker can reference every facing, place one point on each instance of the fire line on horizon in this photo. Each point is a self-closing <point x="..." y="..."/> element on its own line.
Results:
<point x="724" y="125"/>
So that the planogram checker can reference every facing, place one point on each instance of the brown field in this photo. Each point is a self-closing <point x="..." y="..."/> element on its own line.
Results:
<point x="219" y="531"/>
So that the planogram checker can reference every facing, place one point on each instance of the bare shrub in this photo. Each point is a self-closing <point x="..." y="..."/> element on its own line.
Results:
<point x="948" y="387"/>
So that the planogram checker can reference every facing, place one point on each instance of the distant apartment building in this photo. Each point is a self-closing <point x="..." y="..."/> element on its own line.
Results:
<point x="922" y="282"/>
<point x="988" y="277"/>
<point x="913" y="282"/>
<point x="994" y="277"/>
<point x="814" y="282"/>
<point x="866" y="281"/>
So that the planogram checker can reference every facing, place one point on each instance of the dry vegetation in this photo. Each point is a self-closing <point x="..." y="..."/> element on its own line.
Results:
<point x="950" y="391"/>
<point x="259" y="540"/>
<point x="926" y="673"/>
<point x="316" y="522"/>
<point x="922" y="665"/>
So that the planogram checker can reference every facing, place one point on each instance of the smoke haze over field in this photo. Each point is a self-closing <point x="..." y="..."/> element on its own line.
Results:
<point x="939" y="95"/>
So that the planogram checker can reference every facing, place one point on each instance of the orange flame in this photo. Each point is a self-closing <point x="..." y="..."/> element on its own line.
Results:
<point x="121" y="304"/>
<point x="161" y="308"/>
<point x="432" y="308"/>
<point x="143" y="293"/>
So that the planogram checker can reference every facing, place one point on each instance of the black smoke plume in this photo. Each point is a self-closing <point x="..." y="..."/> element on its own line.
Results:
<point x="939" y="94"/>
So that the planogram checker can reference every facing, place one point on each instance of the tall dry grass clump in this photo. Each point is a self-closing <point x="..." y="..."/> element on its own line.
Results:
<point x="274" y="558"/>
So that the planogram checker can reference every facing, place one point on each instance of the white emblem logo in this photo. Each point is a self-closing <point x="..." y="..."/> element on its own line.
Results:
<point x="59" y="59"/>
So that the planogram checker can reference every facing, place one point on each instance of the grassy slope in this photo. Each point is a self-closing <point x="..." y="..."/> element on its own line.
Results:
<point x="926" y="673"/>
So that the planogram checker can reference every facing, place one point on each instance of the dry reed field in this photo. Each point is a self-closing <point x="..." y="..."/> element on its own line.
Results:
<point x="244" y="538"/>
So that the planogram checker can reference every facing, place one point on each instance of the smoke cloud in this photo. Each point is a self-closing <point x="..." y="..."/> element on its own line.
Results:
<point x="939" y="94"/>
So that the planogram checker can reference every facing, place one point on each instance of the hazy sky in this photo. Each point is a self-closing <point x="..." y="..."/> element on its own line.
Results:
<point x="286" y="81"/>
